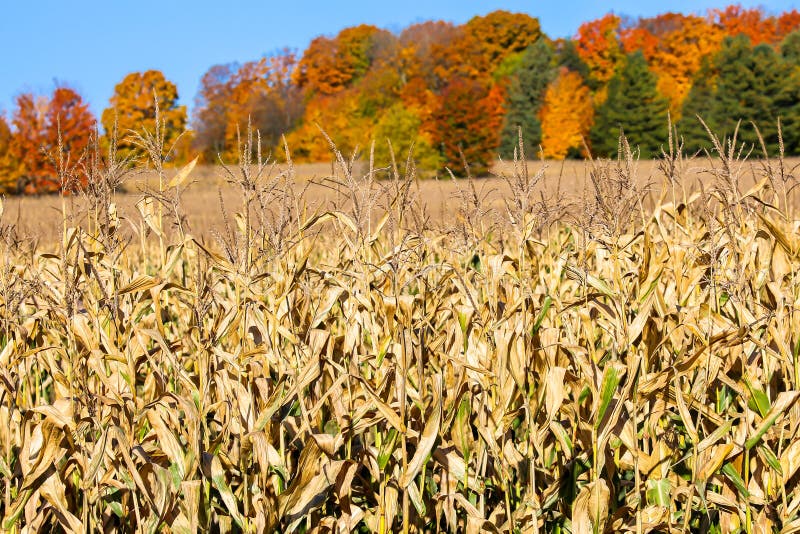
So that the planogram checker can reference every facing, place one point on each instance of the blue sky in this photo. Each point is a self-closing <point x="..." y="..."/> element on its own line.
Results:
<point x="91" y="45"/>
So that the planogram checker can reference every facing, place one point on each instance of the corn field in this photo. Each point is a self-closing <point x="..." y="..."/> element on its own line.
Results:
<point x="621" y="361"/>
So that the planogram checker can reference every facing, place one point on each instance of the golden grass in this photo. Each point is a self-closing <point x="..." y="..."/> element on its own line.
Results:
<point x="40" y="217"/>
<point x="532" y="363"/>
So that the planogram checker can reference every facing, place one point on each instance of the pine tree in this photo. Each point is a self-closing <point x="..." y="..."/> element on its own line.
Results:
<point x="753" y="85"/>
<point x="790" y="48"/>
<point x="698" y="103"/>
<point x="526" y="91"/>
<point x="634" y="105"/>
<point x="746" y="88"/>
<point x="567" y="56"/>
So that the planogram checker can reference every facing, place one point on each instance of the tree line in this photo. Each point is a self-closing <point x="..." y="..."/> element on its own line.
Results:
<point x="456" y="93"/>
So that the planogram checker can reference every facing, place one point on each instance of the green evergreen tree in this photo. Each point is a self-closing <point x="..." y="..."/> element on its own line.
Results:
<point x="754" y="85"/>
<point x="698" y="103"/>
<point x="567" y="56"/>
<point x="790" y="48"/>
<point x="526" y="90"/>
<point x="633" y="105"/>
<point x="790" y="96"/>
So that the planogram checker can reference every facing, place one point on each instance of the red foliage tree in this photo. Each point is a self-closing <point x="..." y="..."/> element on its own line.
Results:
<point x="467" y="121"/>
<point x="43" y="127"/>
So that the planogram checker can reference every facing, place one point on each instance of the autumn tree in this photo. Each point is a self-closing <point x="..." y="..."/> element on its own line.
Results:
<point x="525" y="92"/>
<point x="259" y="93"/>
<point x="427" y="48"/>
<point x="490" y="39"/>
<point x="349" y="117"/>
<point x="634" y="106"/>
<point x="402" y="127"/>
<point x="597" y="44"/>
<point x="340" y="117"/>
<point x="49" y="133"/>
<point x="69" y="117"/>
<point x="566" y="116"/>
<point x="753" y="23"/>
<point x="331" y="65"/>
<point x="5" y="135"/>
<point x="133" y="110"/>
<point x="6" y="164"/>
<point x="210" y="118"/>
<point x="467" y="122"/>
<point x="28" y="140"/>
<point x="263" y="95"/>
<point x="484" y="44"/>
<point x="786" y="23"/>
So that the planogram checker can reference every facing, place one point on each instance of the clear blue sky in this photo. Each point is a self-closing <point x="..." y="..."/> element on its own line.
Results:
<point x="91" y="45"/>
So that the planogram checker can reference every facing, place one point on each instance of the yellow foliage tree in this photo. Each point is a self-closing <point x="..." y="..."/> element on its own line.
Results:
<point x="133" y="109"/>
<point x="566" y="115"/>
<point x="401" y="125"/>
<point x="340" y="118"/>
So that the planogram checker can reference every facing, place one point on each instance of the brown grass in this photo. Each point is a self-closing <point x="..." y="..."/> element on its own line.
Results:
<point x="39" y="217"/>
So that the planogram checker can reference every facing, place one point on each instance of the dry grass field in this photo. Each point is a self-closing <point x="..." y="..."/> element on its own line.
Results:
<point x="531" y="354"/>
<point x="40" y="217"/>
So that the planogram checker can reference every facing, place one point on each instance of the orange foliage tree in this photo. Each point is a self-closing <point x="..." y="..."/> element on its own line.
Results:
<point x="331" y="65"/>
<point x="597" y="44"/>
<point x="340" y="118"/>
<point x="787" y="23"/>
<point x="485" y="42"/>
<point x="43" y="126"/>
<point x="133" y="109"/>
<point x="735" y="20"/>
<point x="759" y="27"/>
<point x="425" y="49"/>
<point x="674" y="46"/>
<point x="262" y="94"/>
<point x="567" y="114"/>
<point x="257" y="93"/>
<point x="349" y="115"/>
<point x="6" y="164"/>
<point x="28" y="140"/>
